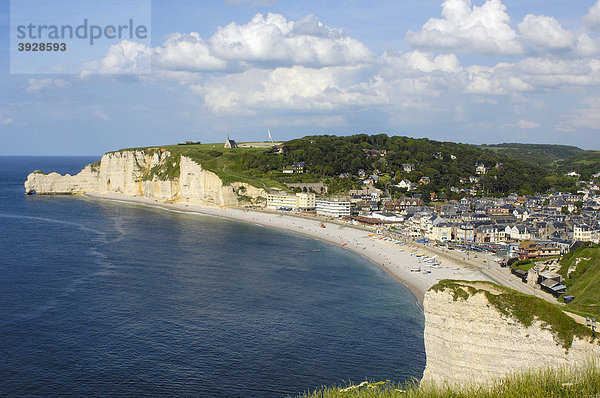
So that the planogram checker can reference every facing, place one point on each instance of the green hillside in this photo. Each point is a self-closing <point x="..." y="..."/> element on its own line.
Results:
<point x="586" y="164"/>
<point x="557" y="158"/>
<point x="539" y="154"/>
<point x="447" y="166"/>
<point x="584" y="281"/>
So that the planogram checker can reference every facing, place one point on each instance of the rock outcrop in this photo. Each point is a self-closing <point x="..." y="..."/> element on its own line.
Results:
<point x="150" y="173"/>
<point x="473" y="335"/>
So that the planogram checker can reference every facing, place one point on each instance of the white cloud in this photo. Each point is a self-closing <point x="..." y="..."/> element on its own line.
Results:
<point x="545" y="33"/>
<point x="275" y="41"/>
<point x="419" y="61"/>
<point x="463" y="27"/>
<point x="592" y="18"/>
<point x="272" y="66"/>
<point x="526" y="124"/>
<point x="586" y="118"/>
<point x="188" y="52"/>
<point x="532" y="74"/>
<point x="6" y="121"/>
<point x="297" y="88"/>
<point x="126" y="57"/>
<point x="37" y="85"/>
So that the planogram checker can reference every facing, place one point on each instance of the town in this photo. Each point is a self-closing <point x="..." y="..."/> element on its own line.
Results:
<point x="513" y="230"/>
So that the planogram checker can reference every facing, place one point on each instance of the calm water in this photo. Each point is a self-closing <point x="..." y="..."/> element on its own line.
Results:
<point x="102" y="298"/>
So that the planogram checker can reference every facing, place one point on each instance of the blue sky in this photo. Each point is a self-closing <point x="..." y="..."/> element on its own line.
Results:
<point x="470" y="71"/>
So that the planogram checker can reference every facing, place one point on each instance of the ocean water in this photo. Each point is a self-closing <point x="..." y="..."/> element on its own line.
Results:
<point x="111" y="299"/>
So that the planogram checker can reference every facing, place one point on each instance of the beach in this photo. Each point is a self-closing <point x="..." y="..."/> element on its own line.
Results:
<point x="404" y="262"/>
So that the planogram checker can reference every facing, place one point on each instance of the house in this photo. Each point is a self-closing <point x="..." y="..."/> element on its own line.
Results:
<point x="582" y="232"/>
<point x="398" y="205"/>
<point x="551" y="283"/>
<point x="521" y="213"/>
<point x="517" y="232"/>
<point x="288" y="170"/>
<point x="365" y="206"/>
<point x="361" y="173"/>
<point x="405" y="184"/>
<point x="489" y="234"/>
<point x="573" y="174"/>
<point x="408" y="167"/>
<point x="441" y="232"/>
<point x="465" y="233"/>
<point x="480" y="168"/>
<point x="424" y="181"/>
<point x="229" y="143"/>
<point x="373" y="153"/>
<point x="298" y="167"/>
<point x="528" y="249"/>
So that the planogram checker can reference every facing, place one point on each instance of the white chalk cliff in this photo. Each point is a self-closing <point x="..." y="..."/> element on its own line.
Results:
<point x="134" y="173"/>
<point x="470" y="340"/>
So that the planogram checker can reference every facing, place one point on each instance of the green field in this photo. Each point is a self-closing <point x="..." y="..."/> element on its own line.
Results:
<point x="225" y="163"/>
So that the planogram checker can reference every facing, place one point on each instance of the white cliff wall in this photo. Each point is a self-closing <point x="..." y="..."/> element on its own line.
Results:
<point x="129" y="172"/>
<point x="85" y="181"/>
<point x="470" y="341"/>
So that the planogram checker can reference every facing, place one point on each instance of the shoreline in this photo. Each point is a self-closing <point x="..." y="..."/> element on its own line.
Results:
<point x="398" y="261"/>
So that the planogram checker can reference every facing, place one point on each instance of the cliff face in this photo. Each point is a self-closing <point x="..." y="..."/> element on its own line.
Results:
<point x="467" y="339"/>
<point x="138" y="173"/>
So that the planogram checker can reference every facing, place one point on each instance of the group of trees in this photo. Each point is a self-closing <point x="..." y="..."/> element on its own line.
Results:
<point x="445" y="163"/>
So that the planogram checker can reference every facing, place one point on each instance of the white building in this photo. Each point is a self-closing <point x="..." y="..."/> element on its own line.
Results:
<point x="307" y="201"/>
<point x="441" y="232"/>
<point x="582" y="232"/>
<point x="304" y="201"/>
<point x="333" y="207"/>
<point x="480" y="168"/>
<point x="465" y="233"/>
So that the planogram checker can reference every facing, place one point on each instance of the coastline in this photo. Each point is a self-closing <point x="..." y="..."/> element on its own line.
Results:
<point x="399" y="261"/>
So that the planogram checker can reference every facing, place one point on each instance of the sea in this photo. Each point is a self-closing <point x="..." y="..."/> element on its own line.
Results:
<point x="99" y="298"/>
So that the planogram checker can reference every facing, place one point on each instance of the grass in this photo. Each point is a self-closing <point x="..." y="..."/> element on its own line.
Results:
<point x="584" y="282"/>
<point x="227" y="164"/>
<point x="565" y="381"/>
<point x="523" y="265"/>
<point x="522" y="307"/>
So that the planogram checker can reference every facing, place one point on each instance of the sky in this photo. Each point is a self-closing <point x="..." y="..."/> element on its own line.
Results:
<point x="471" y="71"/>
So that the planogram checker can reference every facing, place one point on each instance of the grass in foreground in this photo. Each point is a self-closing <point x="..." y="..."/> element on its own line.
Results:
<point x="566" y="381"/>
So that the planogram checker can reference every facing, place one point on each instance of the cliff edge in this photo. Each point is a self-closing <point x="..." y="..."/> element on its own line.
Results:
<point x="476" y="332"/>
<point x="151" y="173"/>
